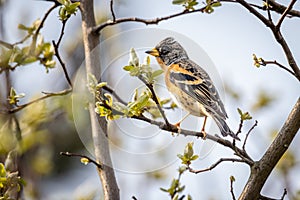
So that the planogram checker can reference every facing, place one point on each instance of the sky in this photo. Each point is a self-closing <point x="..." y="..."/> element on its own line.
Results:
<point x="227" y="38"/>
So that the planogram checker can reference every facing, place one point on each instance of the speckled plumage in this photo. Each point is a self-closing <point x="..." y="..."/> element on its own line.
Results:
<point x="191" y="87"/>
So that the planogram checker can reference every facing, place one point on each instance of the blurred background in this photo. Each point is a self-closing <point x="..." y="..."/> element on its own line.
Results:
<point x="145" y="157"/>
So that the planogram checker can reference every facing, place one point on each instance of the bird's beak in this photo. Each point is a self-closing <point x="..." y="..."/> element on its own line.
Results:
<point x="153" y="52"/>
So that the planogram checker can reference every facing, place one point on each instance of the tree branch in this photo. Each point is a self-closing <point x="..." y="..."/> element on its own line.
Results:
<point x="155" y="99"/>
<point x="277" y="34"/>
<point x="231" y="188"/>
<point x="284" y="14"/>
<point x="281" y="8"/>
<point x="112" y="10"/>
<point x="173" y="129"/>
<point x="265" y="63"/>
<point x="97" y="29"/>
<point x="261" y="169"/>
<point x="47" y="95"/>
<point x="56" y="49"/>
<point x="247" y="135"/>
<point x="82" y="156"/>
<point x="216" y="164"/>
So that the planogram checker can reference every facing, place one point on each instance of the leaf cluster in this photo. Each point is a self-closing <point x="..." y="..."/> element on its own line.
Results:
<point x="187" y="4"/>
<point x="143" y="70"/>
<point x="13" y="97"/>
<point x="244" y="115"/>
<point x="211" y="5"/>
<point x="142" y="101"/>
<point x="67" y="9"/>
<point x="14" y="55"/>
<point x="188" y="155"/>
<point x="9" y="183"/>
<point x="258" y="62"/>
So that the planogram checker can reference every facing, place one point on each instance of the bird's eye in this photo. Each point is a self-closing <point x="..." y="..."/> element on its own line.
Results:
<point x="165" y="50"/>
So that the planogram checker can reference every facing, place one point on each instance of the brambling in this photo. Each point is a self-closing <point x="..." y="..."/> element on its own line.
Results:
<point x="190" y="86"/>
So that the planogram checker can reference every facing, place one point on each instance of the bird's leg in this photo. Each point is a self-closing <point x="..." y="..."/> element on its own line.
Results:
<point x="203" y="128"/>
<point x="178" y="123"/>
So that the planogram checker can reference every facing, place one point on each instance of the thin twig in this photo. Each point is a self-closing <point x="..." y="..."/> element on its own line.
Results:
<point x="155" y="99"/>
<point x="268" y="11"/>
<point x="231" y="188"/>
<point x="216" y="164"/>
<point x="63" y="66"/>
<point x="45" y="17"/>
<point x="111" y="91"/>
<point x="275" y="6"/>
<point x="252" y="10"/>
<point x="99" y="166"/>
<point x="47" y="95"/>
<point x="264" y="63"/>
<point x="238" y="131"/>
<point x="34" y="37"/>
<point x="240" y="127"/>
<point x="98" y="28"/>
<point x="247" y="135"/>
<point x="112" y="10"/>
<point x="173" y="129"/>
<point x="284" y="194"/>
<point x="7" y="45"/>
<point x="62" y="32"/>
<point x="277" y="34"/>
<point x="287" y="10"/>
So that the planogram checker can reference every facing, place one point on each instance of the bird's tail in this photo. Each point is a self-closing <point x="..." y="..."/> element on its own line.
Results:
<point x="225" y="130"/>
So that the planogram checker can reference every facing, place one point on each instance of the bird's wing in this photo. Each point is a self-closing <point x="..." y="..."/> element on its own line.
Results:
<point x="195" y="82"/>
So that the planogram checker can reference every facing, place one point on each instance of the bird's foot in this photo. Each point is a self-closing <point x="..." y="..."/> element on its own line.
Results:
<point x="204" y="134"/>
<point x="179" y="129"/>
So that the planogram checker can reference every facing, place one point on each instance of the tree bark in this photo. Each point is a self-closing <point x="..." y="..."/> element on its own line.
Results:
<point x="99" y="125"/>
<point x="261" y="170"/>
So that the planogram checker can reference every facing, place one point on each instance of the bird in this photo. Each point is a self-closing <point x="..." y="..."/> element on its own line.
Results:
<point x="190" y="86"/>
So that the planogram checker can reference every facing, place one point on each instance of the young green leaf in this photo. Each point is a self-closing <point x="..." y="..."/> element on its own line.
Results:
<point x="157" y="73"/>
<point x="178" y="2"/>
<point x="244" y="116"/>
<point x="133" y="59"/>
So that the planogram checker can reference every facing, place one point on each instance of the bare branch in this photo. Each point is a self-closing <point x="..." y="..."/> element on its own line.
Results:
<point x="264" y="63"/>
<point x="56" y="49"/>
<point x="111" y="91"/>
<point x="56" y="4"/>
<point x="112" y="10"/>
<point x="155" y="99"/>
<point x="7" y="45"/>
<point x="277" y="34"/>
<point x="47" y="95"/>
<point x="62" y="32"/>
<point x="216" y="164"/>
<point x="256" y="13"/>
<point x="231" y="188"/>
<point x="247" y="135"/>
<point x="268" y="11"/>
<point x="292" y="62"/>
<point x="97" y="29"/>
<point x="275" y="6"/>
<point x="284" y="14"/>
<point x="82" y="156"/>
<point x="284" y="194"/>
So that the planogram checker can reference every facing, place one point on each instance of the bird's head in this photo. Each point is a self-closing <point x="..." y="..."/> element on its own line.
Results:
<point x="168" y="51"/>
